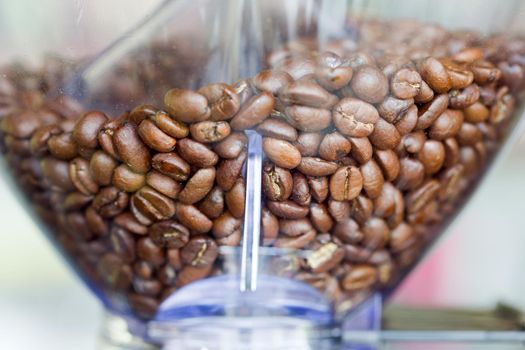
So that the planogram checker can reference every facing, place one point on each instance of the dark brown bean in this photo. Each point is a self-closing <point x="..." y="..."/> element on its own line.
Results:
<point x="370" y="84"/>
<point x="300" y="192"/>
<point x="164" y="184"/>
<point x="306" y="93"/>
<point x="361" y="209"/>
<point x="325" y="258"/>
<point x="354" y="118"/>
<point x="385" y="135"/>
<point x="122" y="244"/>
<point x="319" y="187"/>
<point x="199" y="252"/>
<point x="147" y="287"/>
<point x="432" y="156"/>
<point x="62" y="146"/>
<point x="271" y="80"/>
<point x="143" y="269"/>
<point x="193" y="218"/>
<point x="430" y="111"/>
<point x="392" y="109"/>
<point x="411" y="174"/>
<point x="253" y="111"/>
<point x="282" y="153"/>
<point x="223" y="101"/>
<point x="459" y="75"/>
<point x="334" y="146"/>
<point x="320" y="217"/>
<point x="128" y="222"/>
<point x="359" y="277"/>
<point x="114" y="272"/>
<point x="270" y="226"/>
<point x="476" y="113"/>
<point x="169" y="234"/>
<point x="295" y="228"/>
<point x="210" y="131"/>
<point x="332" y="73"/>
<point x="170" y="126"/>
<point x="435" y="75"/>
<point x="287" y="209"/>
<point x="372" y="179"/>
<point x="361" y="149"/>
<point x="226" y="225"/>
<point x="95" y="222"/>
<point x="127" y="180"/>
<point x="468" y="135"/>
<point x="346" y="183"/>
<point x="101" y="167"/>
<point x="277" y="182"/>
<point x="406" y="83"/>
<point x="155" y="138"/>
<point x="340" y="211"/>
<point x="278" y="129"/>
<point x="57" y="173"/>
<point x="231" y="146"/>
<point x="148" y="251"/>
<point x="460" y="99"/>
<point x="376" y="233"/>
<point x="408" y="121"/>
<point x="451" y="152"/>
<point x="190" y="274"/>
<point x="295" y="242"/>
<point x="196" y="153"/>
<point x="213" y="204"/>
<point x="172" y="165"/>
<point x="426" y="94"/>
<point x="308" y="119"/>
<point x="446" y="125"/>
<point x="186" y="105"/>
<point x="313" y="166"/>
<point x="198" y="186"/>
<point x="148" y="206"/>
<point x="229" y="171"/>
<point x="308" y="143"/>
<point x="130" y="148"/>
<point x="419" y="198"/>
<point x="235" y="199"/>
<point x="81" y="177"/>
<point x="388" y="162"/>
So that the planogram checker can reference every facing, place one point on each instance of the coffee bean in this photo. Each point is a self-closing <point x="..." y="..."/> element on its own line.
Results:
<point x="231" y="146"/>
<point x="57" y="173"/>
<point x="87" y="128"/>
<point x="308" y="143"/>
<point x="295" y="242"/>
<point x="306" y="93"/>
<point x="385" y="135"/>
<point x="405" y="83"/>
<point x="370" y="84"/>
<point x="388" y="162"/>
<point x="110" y="202"/>
<point x="167" y="275"/>
<point x="190" y="274"/>
<point x="148" y="251"/>
<point x="95" y="222"/>
<point x="435" y="75"/>
<point x="355" y="118"/>
<point x="210" y="131"/>
<point x="372" y="179"/>
<point x="469" y="135"/>
<point x="270" y="226"/>
<point x="319" y="187"/>
<point x="213" y="204"/>
<point x="277" y="182"/>
<point x="346" y="183"/>
<point x="193" y="218"/>
<point x="223" y="101"/>
<point x="432" y="156"/>
<point x="172" y="165"/>
<point x="76" y="201"/>
<point x="413" y="142"/>
<point x="334" y="146"/>
<point x="173" y="259"/>
<point x="450" y="180"/>
<point x="145" y="307"/>
<point x="408" y="121"/>
<point x="460" y="99"/>
<point x="143" y="269"/>
<point x="411" y="174"/>
<point x="300" y="192"/>
<point x="426" y="94"/>
<point x="229" y="171"/>
<point x="320" y="217"/>
<point x="307" y="119"/>
<point x="200" y="252"/>
<point x="196" y="153"/>
<point x="272" y="81"/>
<point x="332" y="73"/>
<point x="40" y="138"/>
<point x="476" y="113"/>
<point x="198" y="186"/>
<point x="361" y="209"/>
<point x="359" y="277"/>
<point x="392" y="109"/>
<point x="419" y="198"/>
<point x="169" y="234"/>
<point x="141" y="112"/>
<point x="253" y="111"/>
<point x="114" y="272"/>
<point x="155" y="138"/>
<point x="23" y="124"/>
<point x="376" y="233"/>
<point x="325" y="258"/>
<point x="446" y="125"/>
<point x="101" y="167"/>
<point x="235" y="199"/>
<point x="130" y="148"/>
<point x="348" y="231"/>
<point x="340" y="211"/>
<point x="277" y="129"/>
<point x="127" y="180"/>
<point x="62" y="146"/>
<point x="503" y="106"/>
<point x="361" y="149"/>
<point x="164" y="184"/>
<point x="81" y="177"/>
<point x="122" y="244"/>
<point x="287" y="209"/>
<point x="186" y="105"/>
<point x="313" y="166"/>
<point x="226" y="225"/>
<point x="430" y="111"/>
<point x="282" y="153"/>
<point x="127" y="221"/>
<point x="148" y="206"/>
<point x="148" y="287"/>
<point x="459" y="75"/>
<point x="170" y="126"/>
<point x="402" y="237"/>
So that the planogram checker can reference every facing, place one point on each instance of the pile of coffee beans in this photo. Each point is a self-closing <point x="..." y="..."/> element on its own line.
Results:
<point x="370" y="147"/>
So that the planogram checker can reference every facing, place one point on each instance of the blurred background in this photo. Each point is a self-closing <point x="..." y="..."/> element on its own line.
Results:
<point x="44" y="306"/>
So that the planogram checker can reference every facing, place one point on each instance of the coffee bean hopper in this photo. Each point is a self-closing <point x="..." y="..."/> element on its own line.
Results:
<point x="262" y="174"/>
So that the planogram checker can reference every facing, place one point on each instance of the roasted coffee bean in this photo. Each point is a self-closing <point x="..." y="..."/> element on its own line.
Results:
<point x="110" y="202"/>
<point x="147" y="287"/>
<point x="372" y="179"/>
<point x="370" y="84"/>
<point x="484" y="72"/>
<point x="223" y="101"/>
<point x="298" y="67"/>
<point x="287" y="209"/>
<point x="148" y="206"/>
<point x="325" y="258"/>
<point x="301" y="191"/>
<point x="348" y="231"/>
<point x="244" y="89"/>
<point x="81" y="177"/>
<point x="392" y="109"/>
<point x="476" y="113"/>
<point x="130" y="148"/>
<point x="277" y="129"/>
<point x="446" y="125"/>
<point x="101" y="167"/>
<point x="167" y="275"/>
<point x="127" y="221"/>
<point x="190" y="274"/>
<point x="376" y="233"/>
<point x="450" y="180"/>
<point x="231" y="146"/>
<point x="40" y="137"/>
<point x="388" y="162"/>
<point x="295" y="228"/>
<point x="308" y="143"/>
<point x="411" y="174"/>
<point x="430" y="111"/>
<point x="405" y="83"/>
<point x="270" y="227"/>
<point x="332" y="72"/>
<point x="426" y="94"/>
<point x="320" y="217"/>
<point x="435" y="74"/>
<point x="143" y="269"/>
<point x="87" y="128"/>
<point x="23" y="124"/>
<point x="355" y="118"/>
<point x="413" y="142"/>
<point x="114" y="272"/>
<point x="503" y="106"/>
<point x="468" y="135"/>
<point x="306" y="93"/>
<point x="307" y="119"/>
<point x="145" y="307"/>
<point x="148" y="251"/>
<point x="173" y="259"/>
<point x="57" y="173"/>
<point x="313" y="166"/>
<point x="75" y="224"/>
<point x="295" y="242"/>
<point x="272" y="81"/>
<point x="451" y="152"/>
<point x="76" y="201"/>
<point x="468" y="156"/>
<point x="155" y="138"/>
<point x="210" y="131"/>
<point x="95" y="222"/>
<point x="229" y="171"/>
<point x="164" y="184"/>
<point x="408" y="121"/>
<point x="172" y="165"/>
<point x="122" y="244"/>
<point x="226" y="225"/>
<point x="419" y="198"/>
<point x="319" y="188"/>
<point x="361" y="149"/>
<point x="213" y="204"/>
<point x="62" y="146"/>
<point x="459" y="75"/>
<point x="385" y="135"/>
<point x="198" y="186"/>
<point x="169" y="234"/>
<point x="346" y="183"/>
<point x="141" y="112"/>
<point x="361" y="209"/>
<point x="127" y="180"/>
<point x="277" y="182"/>
<point x="402" y="237"/>
<point x="432" y="156"/>
<point x="193" y="218"/>
<point x="199" y="252"/>
<point x="170" y="126"/>
<point x="340" y="211"/>
<point x="186" y="105"/>
<point x="334" y="146"/>
<point x="235" y="199"/>
<point x="460" y="99"/>
<point x="253" y="111"/>
<point x="196" y="153"/>
<point x="359" y="277"/>
<point x="282" y="153"/>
